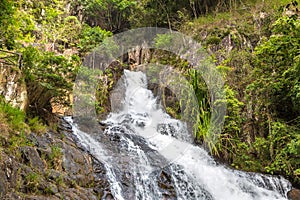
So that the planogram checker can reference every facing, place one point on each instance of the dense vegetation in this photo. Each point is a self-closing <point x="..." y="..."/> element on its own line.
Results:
<point x="256" y="51"/>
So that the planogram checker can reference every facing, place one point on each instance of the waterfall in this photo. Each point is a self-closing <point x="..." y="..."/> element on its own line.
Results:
<point x="149" y="155"/>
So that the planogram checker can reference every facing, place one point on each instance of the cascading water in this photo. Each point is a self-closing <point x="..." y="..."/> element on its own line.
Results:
<point x="148" y="155"/>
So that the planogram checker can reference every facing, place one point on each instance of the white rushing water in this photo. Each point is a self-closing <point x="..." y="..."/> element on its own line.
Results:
<point x="149" y="140"/>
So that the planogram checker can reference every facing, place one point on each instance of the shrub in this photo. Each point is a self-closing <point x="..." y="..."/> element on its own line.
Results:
<point x="11" y="118"/>
<point x="36" y="125"/>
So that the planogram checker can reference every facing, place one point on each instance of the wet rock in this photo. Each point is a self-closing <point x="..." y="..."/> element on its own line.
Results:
<point x="166" y="129"/>
<point x="64" y="127"/>
<point x="294" y="194"/>
<point x="100" y="180"/>
<point x="166" y="185"/>
<point x="87" y="124"/>
<point x="107" y="196"/>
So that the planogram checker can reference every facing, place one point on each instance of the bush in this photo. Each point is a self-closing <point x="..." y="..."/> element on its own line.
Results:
<point x="36" y="125"/>
<point x="12" y="118"/>
<point x="277" y="66"/>
<point x="54" y="72"/>
<point x="91" y="37"/>
<point x="278" y="153"/>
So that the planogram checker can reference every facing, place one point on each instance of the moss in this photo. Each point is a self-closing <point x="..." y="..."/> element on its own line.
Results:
<point x="213" y="40"/>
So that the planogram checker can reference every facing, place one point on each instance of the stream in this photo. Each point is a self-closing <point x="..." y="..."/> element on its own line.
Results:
<point x="147" y="155"/>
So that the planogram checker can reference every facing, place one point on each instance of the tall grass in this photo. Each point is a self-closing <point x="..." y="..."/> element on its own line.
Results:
<point x="11" y="118"/>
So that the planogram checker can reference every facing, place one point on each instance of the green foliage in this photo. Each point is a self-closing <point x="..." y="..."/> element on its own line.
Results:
<point x="163" y="40"/>
<point x="14" y="142"/>
<point x="32" y="181"/>
<point x="70" y="36"/>
<point x="55" y="157"/>
<point x="17" y="141"/>
<point x="233" y="120"/>
<point x="261" y="130"/>
<point x="60" y="180"/>
<point x="6" y="10"/>
<point x="11" y="117"/>
<point x="173" y="13"/>
<point x="36" y="125"/>
<point x="91" y="37"/>
<point x="213" y="40"/>
<point x="89" y="81"/>
<point x="275" y="154"/>
<point x="8" y="24"/>
<point x="278" y="69"/>
<point x="274" y="92"/>
<point x="229" y="140"/>
<point x="56" y="152"/>
<point x="54" y="72"/>
<point x="111" y="15"/>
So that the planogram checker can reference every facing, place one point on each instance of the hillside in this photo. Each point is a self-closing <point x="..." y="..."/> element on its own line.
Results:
<point x="254" y="46"/>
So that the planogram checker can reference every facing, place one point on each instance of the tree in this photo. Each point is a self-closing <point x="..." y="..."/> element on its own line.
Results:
<point x="278" y="69"/>
<point x="7" y="24"/>
<point x="111" y="15"/>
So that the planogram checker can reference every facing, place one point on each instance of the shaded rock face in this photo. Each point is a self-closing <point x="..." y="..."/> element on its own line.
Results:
<point x="51" y="167"/>
<point x="294" y="194"/>
<point x="31" y="157"/>
<point x="39" y="97"/>
<point x="13" y="87"/>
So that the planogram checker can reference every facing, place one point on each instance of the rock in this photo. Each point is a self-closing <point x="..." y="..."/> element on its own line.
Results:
<point x="31" y="156"/>
<point x="10" y="196"/>
<point x="100" y="180"/>
<point x="53" y="174"/>
<point x="10" y="168"/>
<point x="78" y="165"/>
<point x="78" y="193"/>
<point x="39" y="97"/>
<point x="294" y="194"/>
<point x="3" y="185"/>
<point x="107" y="196"/>
<point x="52" y="189"/>
<point x="12" y="87"/>
<point x="32" y="171"/>
<point x="64" y="126"/>
<point x="165" y="185"/>
<point x="41" y="198"/>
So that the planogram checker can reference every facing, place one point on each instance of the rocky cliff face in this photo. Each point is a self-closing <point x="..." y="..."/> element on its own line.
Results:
<point x="12" y="86"/>
<point x="51" y="166"/>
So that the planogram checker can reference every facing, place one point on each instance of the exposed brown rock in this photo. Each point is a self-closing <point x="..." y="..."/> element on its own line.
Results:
<point x="294" y="194"/>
